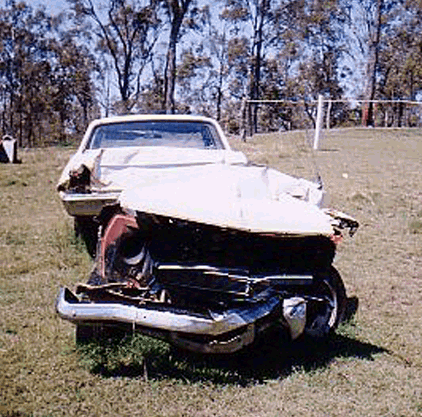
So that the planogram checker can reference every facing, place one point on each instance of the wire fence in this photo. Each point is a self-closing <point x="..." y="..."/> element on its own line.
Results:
<point x="262" y="116"/>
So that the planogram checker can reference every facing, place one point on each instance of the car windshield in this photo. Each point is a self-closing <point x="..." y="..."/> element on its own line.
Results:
<point x="181" y="134"/>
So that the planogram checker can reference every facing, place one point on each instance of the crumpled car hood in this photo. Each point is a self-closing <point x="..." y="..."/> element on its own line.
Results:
<point x="116" y="168"/>
<point x="253" y="199"/>
<point x="214" y="187"/>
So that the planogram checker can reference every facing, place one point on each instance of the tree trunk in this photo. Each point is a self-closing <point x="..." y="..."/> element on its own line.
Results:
<point x="177" y="12"/>
<point x="220" y="92"/>
<point x="257" y="56"/>
<point x="170" y="75"/>
<point x="371" y="67"/>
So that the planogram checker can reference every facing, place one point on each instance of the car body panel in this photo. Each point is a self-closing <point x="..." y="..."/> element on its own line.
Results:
<point x="198" y="246"/>
<point x="232" y="197"/>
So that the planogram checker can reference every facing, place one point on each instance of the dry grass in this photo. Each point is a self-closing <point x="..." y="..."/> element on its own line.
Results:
<point x="372" y="368"/>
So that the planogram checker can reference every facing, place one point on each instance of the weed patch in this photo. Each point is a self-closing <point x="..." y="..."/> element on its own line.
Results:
<point x="415" y="226"/>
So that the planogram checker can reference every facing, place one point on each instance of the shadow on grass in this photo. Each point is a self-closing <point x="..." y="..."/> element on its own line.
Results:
<point x="272" y="356"/>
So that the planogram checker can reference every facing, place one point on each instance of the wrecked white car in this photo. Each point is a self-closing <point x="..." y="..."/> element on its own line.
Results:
<point x="120" y="152"/>
<point x="195" y="245"/>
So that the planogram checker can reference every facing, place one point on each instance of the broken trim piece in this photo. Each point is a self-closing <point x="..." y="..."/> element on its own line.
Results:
<point x="342" y="220"/>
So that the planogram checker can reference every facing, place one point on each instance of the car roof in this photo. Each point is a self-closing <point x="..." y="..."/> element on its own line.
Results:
<point x="152" y="117"/>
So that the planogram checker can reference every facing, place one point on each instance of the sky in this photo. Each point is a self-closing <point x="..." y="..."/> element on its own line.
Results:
<point x="53" y="6"/>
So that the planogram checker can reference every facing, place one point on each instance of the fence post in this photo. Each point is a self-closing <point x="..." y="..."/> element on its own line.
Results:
<point x="327" y="123"/>
<point x="243" y="120"/>
<point x="318" y="127"/>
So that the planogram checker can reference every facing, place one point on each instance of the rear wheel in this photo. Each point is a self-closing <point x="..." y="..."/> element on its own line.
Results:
<point x="87" y="229"/>
<point x="327" y="305"/>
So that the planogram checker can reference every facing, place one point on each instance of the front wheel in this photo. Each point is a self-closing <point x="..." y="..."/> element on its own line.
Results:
<point x="327" y="304"/>
<point x="99" y="332"/>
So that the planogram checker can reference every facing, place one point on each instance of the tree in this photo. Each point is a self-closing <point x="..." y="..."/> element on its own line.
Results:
<point x="152" y="96"/>
<point x="71" y="80"/>
<point x="42" y="90"/>
<point x="372" y="60"/>
<point x="13" y="55"/>
<point x="176" y="11"/>
<point x="219" y="50"/>
<point x="126" y="33"/>
<point x="258" y="14"/>
<point x="275" y="29"/>
<point x="203" y="71"/>
<point x="320" y="27"/>
<point x="193" y="62"/>
<point x="202" y="74"/>
<point x="370" y="24"/>
<point x="400" y="73"/>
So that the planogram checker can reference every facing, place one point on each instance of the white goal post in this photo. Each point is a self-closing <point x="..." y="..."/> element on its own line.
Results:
<point x="320" y="111"/>
<point x="319" y="121"/>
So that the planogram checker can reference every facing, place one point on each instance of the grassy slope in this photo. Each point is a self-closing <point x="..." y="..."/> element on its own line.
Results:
<point x="373" y="367"/>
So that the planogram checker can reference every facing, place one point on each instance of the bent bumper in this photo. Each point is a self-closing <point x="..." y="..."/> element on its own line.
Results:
<point x="217" y="332"/>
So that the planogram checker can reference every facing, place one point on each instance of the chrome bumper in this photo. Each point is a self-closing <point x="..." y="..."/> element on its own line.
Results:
<point x="79" y="204"/>
<point x="174" y="325"/>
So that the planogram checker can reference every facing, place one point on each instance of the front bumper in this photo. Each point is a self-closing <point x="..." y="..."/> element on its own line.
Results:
<point x="87" y="204"/>
<point x="215" y="332"/>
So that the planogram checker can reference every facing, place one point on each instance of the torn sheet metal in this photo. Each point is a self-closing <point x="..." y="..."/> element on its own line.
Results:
<point x="208" y="189"/>
<point x="294" y="312"/>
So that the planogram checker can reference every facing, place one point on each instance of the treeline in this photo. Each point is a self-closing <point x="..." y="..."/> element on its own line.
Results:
<point x="106" y="57"/>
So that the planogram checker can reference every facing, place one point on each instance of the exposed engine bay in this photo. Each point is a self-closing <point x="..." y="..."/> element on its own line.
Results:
<point x="207" y="288"/>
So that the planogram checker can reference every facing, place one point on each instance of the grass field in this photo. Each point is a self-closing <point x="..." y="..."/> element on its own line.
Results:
<point x="372" y="367"/>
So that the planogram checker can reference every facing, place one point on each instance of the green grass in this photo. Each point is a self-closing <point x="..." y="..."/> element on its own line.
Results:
<point x="371" y="367"/>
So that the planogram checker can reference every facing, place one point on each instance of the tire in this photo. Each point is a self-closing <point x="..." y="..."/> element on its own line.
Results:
<point x="98" y="332"/>
<point x="87" y="229"/>
<point x="86" y="333"/>
<point x="323" y="318"/>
